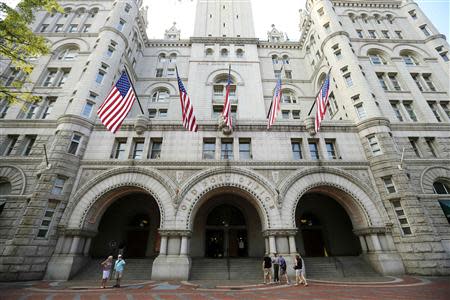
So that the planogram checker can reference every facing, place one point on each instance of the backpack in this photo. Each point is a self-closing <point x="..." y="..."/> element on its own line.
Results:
<point x="282" y="263"/>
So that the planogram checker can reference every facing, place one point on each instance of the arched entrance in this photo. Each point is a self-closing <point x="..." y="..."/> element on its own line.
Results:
<point x="325" y="228"/>
<point x="128" y="226"/>
<point x="227" y="225"/>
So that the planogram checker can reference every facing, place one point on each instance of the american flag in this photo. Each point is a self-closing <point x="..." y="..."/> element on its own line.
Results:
<point x="322" y="102"/>
<point x="187" y="111"/>
<point x="226" y="112"/>
<point x="117" y="104"/>
<point x="275" y="106"/>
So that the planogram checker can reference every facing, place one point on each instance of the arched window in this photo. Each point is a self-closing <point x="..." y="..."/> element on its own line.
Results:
<point x="162" y="58"/>
<point x="285" y="59"/>
<point x="69" y="53"/>
<point x="79" y="12"/>
<point x="5" y="187"/>
<point x="220" y="85"/>
<point x="409" y="58"/>
<point x="239" y="53"/>
<point x="377" y="57"/>
<point x="288" y="96"/>
<point x="209" y="52"/>
<point x="173" y="58"/>
<point x="224" y="52"/>
<point x="67" y="11"/>
<point x="441" y="187"/>
<point x="274" y="59"/>
<point x="93" y="12"/>
<point x="161" y="95"/>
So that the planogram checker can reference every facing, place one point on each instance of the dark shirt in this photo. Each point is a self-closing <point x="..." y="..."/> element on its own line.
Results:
<point x="299" y="263"/>
<point x="267" y="263"/>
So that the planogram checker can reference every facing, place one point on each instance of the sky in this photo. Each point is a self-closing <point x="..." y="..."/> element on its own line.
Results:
<point x="283" y="13"/>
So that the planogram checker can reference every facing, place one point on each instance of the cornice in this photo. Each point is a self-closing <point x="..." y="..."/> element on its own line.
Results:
<point x="168" y="43"/>
<point x="280" y="232"/>
<point x="25" y="123"/>
<point x="224" y="40"/>
<point x="368" y="3"/>
<point x="414" y="126"/>
<point x="75" y="119"/>
<point x="174" y="232"/>
<point x="373" y="122"/>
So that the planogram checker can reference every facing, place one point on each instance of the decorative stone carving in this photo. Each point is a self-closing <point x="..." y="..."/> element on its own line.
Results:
<point x="310" y="126"/>
<point x="140" y="125"/>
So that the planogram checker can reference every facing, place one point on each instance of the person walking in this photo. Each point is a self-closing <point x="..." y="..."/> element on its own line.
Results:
<point x="283" y="268"/>
<point x="300" y="271"/>
<point x="267" y="269"/>
<point x="118" y="268"/>
<point x="276" y="268"/>
<point x="106" y="270"/>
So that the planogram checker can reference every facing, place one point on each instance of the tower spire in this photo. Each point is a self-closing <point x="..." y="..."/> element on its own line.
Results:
<point x="224" y="18"/>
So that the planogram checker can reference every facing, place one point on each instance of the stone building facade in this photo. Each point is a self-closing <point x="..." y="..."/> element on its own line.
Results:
<point x="373" y="183"/>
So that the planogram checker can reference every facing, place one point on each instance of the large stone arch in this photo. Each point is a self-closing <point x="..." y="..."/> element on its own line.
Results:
<point x="430" y="175"/>
<point x="16" y="178"/>
<point x="90" y="202"/>
<point x="244" y="182"/>
<point x="360" y="201"/>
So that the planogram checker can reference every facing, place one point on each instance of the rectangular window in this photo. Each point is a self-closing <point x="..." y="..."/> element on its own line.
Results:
<point x="110" y="51"/>
<point x="389" y="185"/>
<point x="10" y="142"/>
<point x="170" y="72"/>
<point x="382" y="82"/>
<point x="48" y="107"/>
<point x="4" y="106"/>
<point x="155" y="148"/>
<point x="87" y="109"/>
<point x="159" y="73"/>
<point x="74" y="144"/>
<point x="348" y="80"/>
<point x="434" y="108"/>
<point x="425" y="30"/>
<point x="73" y="27"/>
<point x="401" y="217"/>
<point x="288" y="74"/>
<point x="58" y="186"/>
<point x="47" y="219"/>
<point x="413" y="142"/>
<point x="121" y="25"/>
<point x="138" y="149"/>
<point x="359" y="33"/>
<point x="86" y="28"/>
<point x="226" y="149"/>
<point x="372" y="34"/>
<point x="296" y="114"/>
<point x="394" y="81"/>
<point x="331" y="149"/>
<point x="209" y="149"/>
<point x="277" y="74"/>
<point x="399" y="34"/>
<point x="373" y="144"/>
<point x="385" y="34"/>
<point x="416" y="79"/>
<point x="100" y="76"/>
<point x="152" y="113"/>
<point x="59" y="27"/>
<point x="446" y="108"/>
<point x="431" y="143"/>
<point x="375" y="59"/>
<point x="413" y="14"/>
<point x="409" y="108"/>
<point x="361" y="112"/>
<point x="31" y="112"/>
<point x="43" y="27"/>
<point x="245" y="149"/>
<point x="429" y="82"/>
<point x="445" y="205"/>
<point x="285" y="114"/>
<point x="119" y="149"/>
<point x="297" y="149"/>
<point x="13" y="75"/>
<point x="314" y="150"/>
<point x="49" y="79"/>
<point x="29" y="142"/>
<point x="397" y="111"/>
<point x="338" y="54"/>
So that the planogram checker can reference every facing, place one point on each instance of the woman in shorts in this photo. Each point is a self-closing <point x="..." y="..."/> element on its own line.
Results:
<point x="300" y="271"/>
<point x="106" y="269"/>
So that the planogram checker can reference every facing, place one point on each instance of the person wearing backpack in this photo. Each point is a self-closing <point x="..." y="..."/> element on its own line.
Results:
<point x="283" y="268"/>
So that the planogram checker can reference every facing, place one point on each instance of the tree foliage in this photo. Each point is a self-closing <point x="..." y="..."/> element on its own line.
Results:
<point x="18" y="43"/>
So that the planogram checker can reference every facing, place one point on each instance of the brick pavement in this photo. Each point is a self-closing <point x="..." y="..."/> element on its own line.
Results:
<point x="407" y="288"/>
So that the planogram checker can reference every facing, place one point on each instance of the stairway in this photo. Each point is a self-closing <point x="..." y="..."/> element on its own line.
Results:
<point x="135" y="269"/>
<point x="338" y="267"/>
<point x="355" y="266"/>
<point x="321" y="267"/>
<point x="226" y="269"/>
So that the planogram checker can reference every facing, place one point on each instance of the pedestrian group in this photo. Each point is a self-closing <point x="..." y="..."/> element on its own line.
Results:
<point x="278" y="263"/>
<point x="119" y="266"/>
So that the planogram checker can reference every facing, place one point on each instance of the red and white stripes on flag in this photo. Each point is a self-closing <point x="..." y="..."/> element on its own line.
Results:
<point x="322" y="102"/>
<point x="117" y="104"/>
<point x="226" y="112"/>
<point x="275" y="106"/>
<point x="187" y="110"/>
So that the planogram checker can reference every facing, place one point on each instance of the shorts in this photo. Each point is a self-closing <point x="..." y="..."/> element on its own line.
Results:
<point x="118" y="275"/>
<point x="282" y="271"/>
<point x="106" y="274"/>
<point x="298" y="272"/>
<point x="267" y="272"/>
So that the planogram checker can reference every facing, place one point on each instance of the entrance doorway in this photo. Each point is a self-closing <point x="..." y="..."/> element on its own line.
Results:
<point x="226" y="233"/>
<point x="129" y="226"/>
<point x="325" y="228"/>
<point x="227" y="225"/>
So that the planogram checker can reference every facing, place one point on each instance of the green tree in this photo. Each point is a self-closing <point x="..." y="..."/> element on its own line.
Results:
<point x="18" y="43"/>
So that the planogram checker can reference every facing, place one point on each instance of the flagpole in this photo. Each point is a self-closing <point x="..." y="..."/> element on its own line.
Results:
<point x="132" y="86"/>
<point x="271" y="102"/>
<point x="315" y="98"/>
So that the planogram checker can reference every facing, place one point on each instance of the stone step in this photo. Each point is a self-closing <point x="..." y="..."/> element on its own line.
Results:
<point x="225" y="269"/>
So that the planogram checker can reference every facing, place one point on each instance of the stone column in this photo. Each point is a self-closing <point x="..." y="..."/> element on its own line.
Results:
<point x="184" y="245"/>
<point x="292" y="245"/>
<point x="87" y="246"/>
<point x="266" y="242"/>
<point x="163" y="246"/>
<point x="272" y="245"/>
